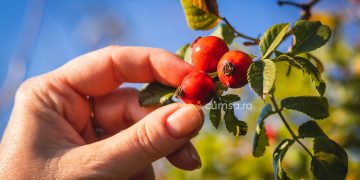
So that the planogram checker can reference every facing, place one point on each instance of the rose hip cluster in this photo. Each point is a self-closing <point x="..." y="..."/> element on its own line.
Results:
<point x="211" y="54"/>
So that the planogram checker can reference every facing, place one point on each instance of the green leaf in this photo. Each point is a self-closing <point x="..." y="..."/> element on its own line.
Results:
<point x="201" y="14"/>
<point x="232" y="124"/>
<point x="230" y="98"/>
<point x="311" y="129"/>
<point x="272" y="38"/>
<point x="278" y="156"/>
<point x="224" y="32"/>
<point x="314" y="73"/>
<point x="181" y="52"/>
<point x="309" y="36"/>
<point x="307" y="67"/>
<point x="313" y="106"/>
<point x="156" y="94"/>
<point x="255" y="76"/>
<point x="325" y="166"/>
<point x="269" y="75"/>
<point x="215" y="114"/>
<point x="261" y="76"/>
<point x="326" y="145"/>
<point x="260" y="140"/>
<point x="321" y="87"/>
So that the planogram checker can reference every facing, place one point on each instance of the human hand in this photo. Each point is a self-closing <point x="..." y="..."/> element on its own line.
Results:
<point x="50" y="134"/>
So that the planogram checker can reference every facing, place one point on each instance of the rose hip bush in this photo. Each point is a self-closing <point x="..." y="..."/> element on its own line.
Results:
<point x="217" y="69"/>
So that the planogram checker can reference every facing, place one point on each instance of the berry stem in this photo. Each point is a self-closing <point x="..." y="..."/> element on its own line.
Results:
<point x="254" y="41"/>
<point x="179" y="93"/>
<point x="278" y="110"/>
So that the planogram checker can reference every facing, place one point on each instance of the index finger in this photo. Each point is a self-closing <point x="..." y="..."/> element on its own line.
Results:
<point x="102" y="71"/>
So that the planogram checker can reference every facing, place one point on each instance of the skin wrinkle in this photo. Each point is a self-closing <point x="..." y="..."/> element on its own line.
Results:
<point x="147" y="130"/>
<point x="145" y="140"/>
<point x="90" y="161"/>
<point x="138" y="142"/>
<point x="53" y="100"/>
<point x="69" y="101"/>
<point x="47" y="117"/>
<point x="68" y="170"/>
<point x="54" y="161"/>
<point x="48" y="165"/>
<point x="96" y="161"/>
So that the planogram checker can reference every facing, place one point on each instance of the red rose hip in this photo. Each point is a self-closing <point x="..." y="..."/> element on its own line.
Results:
<point x="206" y="53"/>
<point x="196" y="88"/>
<point x="232" y="69"/>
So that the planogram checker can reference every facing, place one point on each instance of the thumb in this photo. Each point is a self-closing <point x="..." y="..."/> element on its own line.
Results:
<point x="158" y="134"/>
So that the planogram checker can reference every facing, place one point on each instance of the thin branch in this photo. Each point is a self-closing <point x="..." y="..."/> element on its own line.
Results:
<point x="281" y="3"/>
<point x="305" y="7"/>
<point x="293" y="135"/>
<point x="253" y="41"/>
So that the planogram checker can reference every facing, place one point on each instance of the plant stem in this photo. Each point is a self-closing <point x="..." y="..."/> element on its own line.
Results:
<point x="305" y="7"/>
<point x="255" y="41"/>
<point x="278" y="110"/>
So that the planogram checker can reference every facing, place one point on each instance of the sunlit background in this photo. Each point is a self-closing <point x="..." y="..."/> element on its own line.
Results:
<point x="37" y="36"/>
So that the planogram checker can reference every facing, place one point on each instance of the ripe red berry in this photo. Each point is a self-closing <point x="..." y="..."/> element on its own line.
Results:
<point x="232" y="68"/>
<point x="196" y="88"/>
<point x="206" y="53"/>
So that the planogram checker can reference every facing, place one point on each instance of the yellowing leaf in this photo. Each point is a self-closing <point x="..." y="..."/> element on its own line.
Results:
<point x="201" y="14"/>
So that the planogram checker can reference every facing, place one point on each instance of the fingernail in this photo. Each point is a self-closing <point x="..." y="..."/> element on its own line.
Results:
<point x="184" y="121"/>
<point x="194" y="155"/>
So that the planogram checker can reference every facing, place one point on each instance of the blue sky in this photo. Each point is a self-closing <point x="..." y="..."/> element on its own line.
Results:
<point x="158" y="23"/>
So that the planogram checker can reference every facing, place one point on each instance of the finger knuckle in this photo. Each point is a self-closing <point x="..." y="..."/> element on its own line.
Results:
<point x="145" y="144"/>
<point x="27" y="88"/>
<point x="112" y="47"/>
